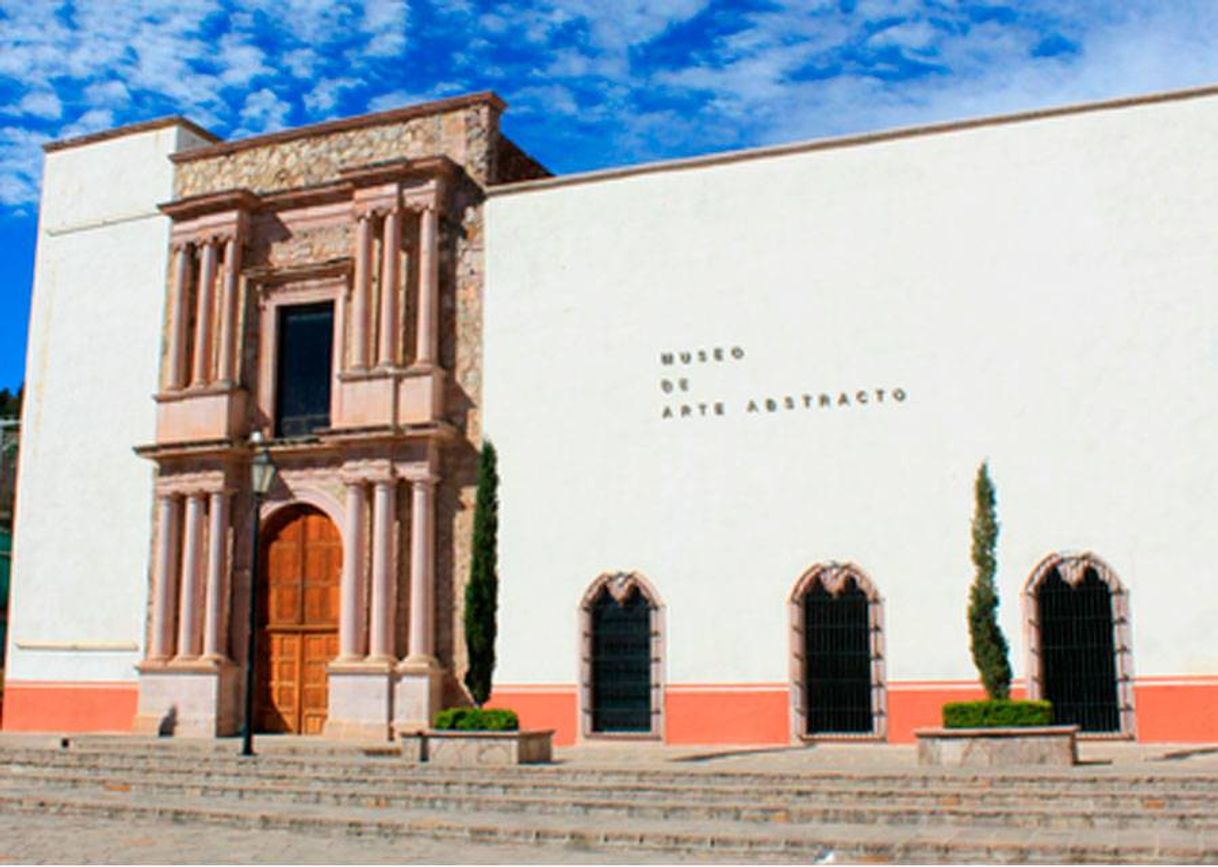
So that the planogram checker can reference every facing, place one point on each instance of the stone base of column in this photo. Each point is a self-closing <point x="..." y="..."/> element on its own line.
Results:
<point x="360" y="701"/>
<point x="200" y="698"/>
<point x="418" y="695"/>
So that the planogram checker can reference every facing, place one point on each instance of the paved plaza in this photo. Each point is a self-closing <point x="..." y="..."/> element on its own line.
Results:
<point x="69" y="831"/>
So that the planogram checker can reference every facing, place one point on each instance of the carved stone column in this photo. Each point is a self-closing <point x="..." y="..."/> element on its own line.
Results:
<point x="429" y="288"/>
<point x="165" y="579"/>
<point x="192" y="574"/>
<point x="419" y="691"/>
<point x="217" y="584"/>
<point x="201" y="372"/>
<point x="422" y="570"/>
<point x="361" y="292"/>
<point x="351" y="598"/>
<point x="228" y="310"/>
<point x="179" y="317"/>
<point x="391" y="253"/>
<point x="380" y="637"/>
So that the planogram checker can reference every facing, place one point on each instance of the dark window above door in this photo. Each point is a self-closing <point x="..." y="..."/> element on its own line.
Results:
<point x="303" y="369"/>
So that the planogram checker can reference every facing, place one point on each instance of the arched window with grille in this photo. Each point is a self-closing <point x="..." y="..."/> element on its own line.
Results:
<point x="837" y="659"/>
<point x="1079" y="656"/>
<point x="621" y="682"/>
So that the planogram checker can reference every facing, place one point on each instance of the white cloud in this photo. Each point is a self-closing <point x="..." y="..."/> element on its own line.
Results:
<point x="240" y="60"/>
<point x="263" y="111"/>
<point x="385" y="23"/>
<point x="20" y="165"/>
<point x="398" y="98"/>
<point x="586" y="72"/>
<point x="93" y="120"/>
<point x="107" y="93"/>
<point x="325" y="95"/>
<point x="41" y="103"/>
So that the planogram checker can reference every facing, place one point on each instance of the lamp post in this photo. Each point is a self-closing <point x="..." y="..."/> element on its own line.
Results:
<point x="262" y="476"/>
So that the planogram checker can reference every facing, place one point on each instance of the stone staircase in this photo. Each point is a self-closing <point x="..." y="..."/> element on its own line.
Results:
<point x="907" y="815"/>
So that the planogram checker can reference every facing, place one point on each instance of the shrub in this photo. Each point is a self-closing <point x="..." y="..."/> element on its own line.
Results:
<point x="476" y="719"/>
<point x="997" y="713"/>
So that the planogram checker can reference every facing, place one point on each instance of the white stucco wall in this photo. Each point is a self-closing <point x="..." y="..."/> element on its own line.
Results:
<point x="80" y="563"/>
<point x="1045" y="292"/>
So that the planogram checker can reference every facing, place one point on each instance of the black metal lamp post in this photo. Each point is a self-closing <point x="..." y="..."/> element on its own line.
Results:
<point x="262" y="476"/>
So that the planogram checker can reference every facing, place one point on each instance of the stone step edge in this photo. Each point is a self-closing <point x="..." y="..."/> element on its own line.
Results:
<point x="702" y="794"/>
<point x="912" y="780"/>
<point x="816" y="848"/>
<point x="1005" y="816"/>
<point x="455" y="777"/>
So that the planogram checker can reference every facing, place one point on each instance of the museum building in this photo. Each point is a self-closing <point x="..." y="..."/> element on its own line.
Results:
<point x="739" y="402"/>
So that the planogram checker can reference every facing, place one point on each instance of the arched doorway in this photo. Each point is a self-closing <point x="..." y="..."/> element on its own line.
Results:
<point x="298" y="620"/>
<point x="837" y="670"/>
<point x="622" y="621"/>
<point x="1079" y="643"/>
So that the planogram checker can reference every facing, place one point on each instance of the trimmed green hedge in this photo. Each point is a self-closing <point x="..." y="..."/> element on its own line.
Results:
<point x="999" y="713"/>
<point x="473" y="719"/>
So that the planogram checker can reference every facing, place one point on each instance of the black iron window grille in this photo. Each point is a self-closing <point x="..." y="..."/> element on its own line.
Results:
<point x="837" y="660"/>
<point x="621" y="663"/>
<point x="1077" y="652"/>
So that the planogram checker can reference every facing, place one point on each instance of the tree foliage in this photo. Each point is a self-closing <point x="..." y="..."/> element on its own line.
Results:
<point x="482" y="591"/>
<point x="10" y="404"/>
<point x="986" y="641"/>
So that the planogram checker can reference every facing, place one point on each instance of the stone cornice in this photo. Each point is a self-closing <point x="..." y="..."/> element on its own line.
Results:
<point x="239" y="199"/>
<point x="424" y="168"/>
<point x="266" y="275"/>
<point x="382" y="118"/>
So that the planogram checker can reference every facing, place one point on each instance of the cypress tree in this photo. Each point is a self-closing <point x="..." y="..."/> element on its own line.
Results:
<point x="986" y="641"/>
<point x="482" y="591"/>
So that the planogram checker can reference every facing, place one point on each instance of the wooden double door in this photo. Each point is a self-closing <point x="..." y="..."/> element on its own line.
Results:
<point x="298" y="621"/>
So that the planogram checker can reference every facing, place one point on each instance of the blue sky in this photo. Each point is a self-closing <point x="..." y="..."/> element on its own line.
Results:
<point x="589" y="84"/>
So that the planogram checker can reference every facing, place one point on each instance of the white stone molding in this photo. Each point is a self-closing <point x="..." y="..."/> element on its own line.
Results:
<point x="834" y="577"/>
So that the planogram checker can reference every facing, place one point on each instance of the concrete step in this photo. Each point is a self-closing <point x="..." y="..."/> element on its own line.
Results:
<point x="623" y="803"/>
<point x="405" y="780"/>
<point x="389" y="766"/>
<point x="848" y="843"/>
<point x="1194" y="793"/>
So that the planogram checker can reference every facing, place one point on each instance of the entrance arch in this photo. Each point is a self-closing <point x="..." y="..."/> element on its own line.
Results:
<point x="837" y="654"/>
<point x="1079" y="656"/>
<point x="622" y="666"/>
<point x="297" y="619"/>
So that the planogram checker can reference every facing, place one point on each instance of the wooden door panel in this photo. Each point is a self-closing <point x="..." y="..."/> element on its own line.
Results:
<point x="285" y="679"/>
<point x="303" y="564"/>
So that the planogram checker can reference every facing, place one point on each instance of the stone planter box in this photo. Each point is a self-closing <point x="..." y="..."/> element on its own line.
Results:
<point x="470" y="749"/>
<point x="998" y="748"/>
